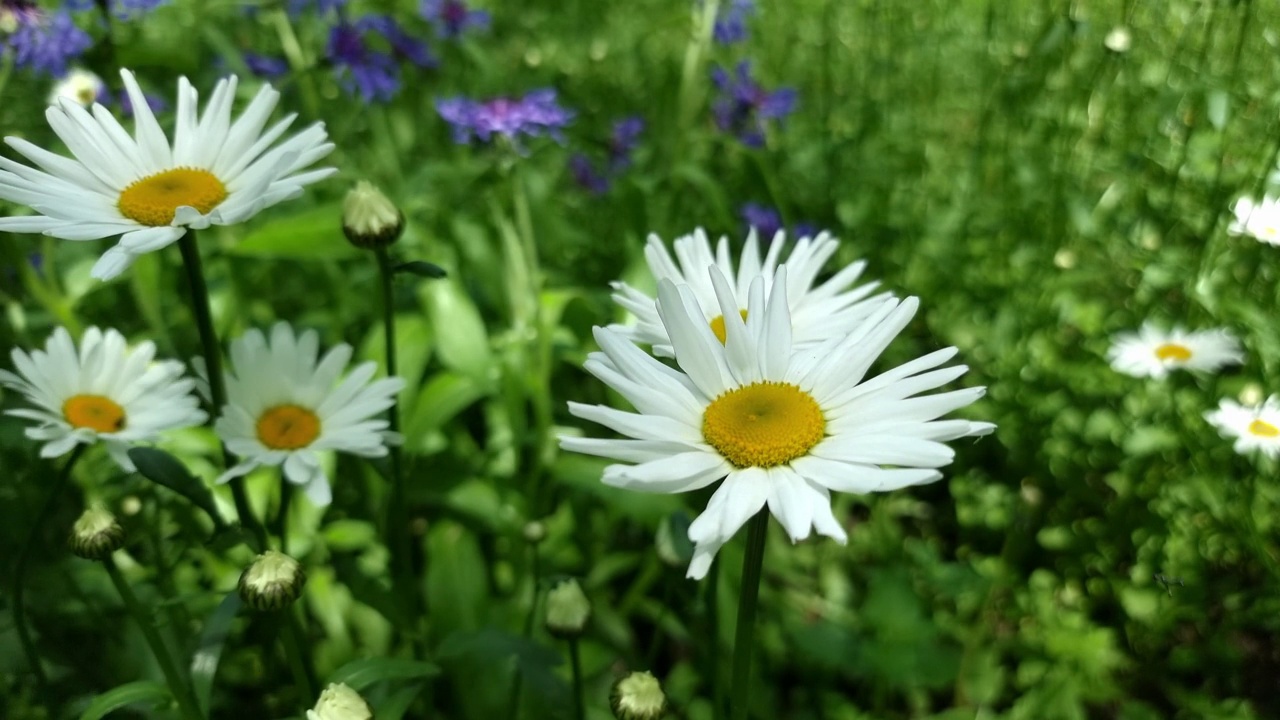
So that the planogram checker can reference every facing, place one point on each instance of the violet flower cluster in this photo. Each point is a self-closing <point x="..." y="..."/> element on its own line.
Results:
<point x="122" y="9"/>
<point x="731" y="22"/>
<point x="366" y="70"/>
<point x="744" y="107"/>
<point x="537" y="113"/>
<point x="452" y="18"/>
<point x="41" y="43"/>
<point x="767" y="221"/>
<point x="622" y="142"/>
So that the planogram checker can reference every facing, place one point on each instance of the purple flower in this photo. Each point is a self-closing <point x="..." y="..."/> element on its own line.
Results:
<point x="265" y="66"/>
<point x="17" y="13"/>
<point x="625" y="137"/>
<point x="402" y="43"/>
<point x="453" y="17"/>
<point x="537" y="113"/>
<point x="585" y="174"/>
<point x="155" y="102"/>
<point x="744" y="108"/>
<point x="46" y="44"/>
<point x="122" y="9"/>
<point x="763" y="218"/>
<point x="296" y="8"/>
<point x="731" y="22"/>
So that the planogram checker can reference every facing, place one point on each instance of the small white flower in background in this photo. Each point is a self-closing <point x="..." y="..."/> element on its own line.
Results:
<point x="339" y="702"/>
<point x="105" y="392"/>
<point x="149" y="191"/>
<point x="1255" y="427"/>
<point x="829" y="310"/>
<point x="638" y="696"/>
<point x="79" y="86"/>
<point x="1119" y="40"/>
<point x="568" y="609"/>
<point x="284" y="407"/>
<point x="1152" y="352"/>
<point x="782" y="428"/>
<point x="1259" y="220"/>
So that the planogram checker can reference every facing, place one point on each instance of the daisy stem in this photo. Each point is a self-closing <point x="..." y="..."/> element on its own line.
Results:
<point x="180" y="689"/>
<point x="575" y="659"/>
<point x="217" y="381"/>
<point x="294" y="650"/>
<point x="744" y="637"/>
<point x="20" y="572"/>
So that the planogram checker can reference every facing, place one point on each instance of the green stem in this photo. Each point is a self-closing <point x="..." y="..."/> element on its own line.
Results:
<point x="177" y="685"/>
<point x="517" y="682"/>
<point x="744" y="637"/>
<point x="711" y="599"/>
<point x="20" y="572"/>
<point x="295" y="651"/>
<point x="398" y="539"/>
<point x="538" y="377"/>
<point x="213" y="364"/>
<point x="579" y="709"/>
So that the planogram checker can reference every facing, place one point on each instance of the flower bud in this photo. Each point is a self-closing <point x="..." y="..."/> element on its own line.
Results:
<point x="96" y="535"/>
<point x="1118" y="40"/>
<point x="339" y="702"/>
<point x="638" y="696"/>
<point x="534" y="532"/>
<point x="567" y="609"/>
<point x="369" y="219"/>
<point x="272" y="582"/>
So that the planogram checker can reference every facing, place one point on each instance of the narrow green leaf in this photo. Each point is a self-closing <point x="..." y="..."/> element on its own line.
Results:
<point x="395" y="706"/>
<point x="164" y="469"/>
<point x="314" y="234"/>
<point x="360" y="674"/>
<point x="204" y="663"/>
<point x="462" y="342"/>
<point x="421" y="269"/>
<point x="123" y="696"/>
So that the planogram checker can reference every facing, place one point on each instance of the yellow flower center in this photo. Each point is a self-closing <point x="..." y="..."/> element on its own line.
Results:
<point x="288" y="427"/>
<point x="763" y="424"/>
<point x="1173" y="351"/>
<point x="96" y="412"/>
<point x="1262" y="428"/>
<point x="153" y="199"/>
<point x="717" y="326"/>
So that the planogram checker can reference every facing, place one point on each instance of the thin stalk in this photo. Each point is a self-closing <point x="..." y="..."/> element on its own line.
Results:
<point x="20" y="572"/>
<point x="281" y="528"/>
<point x="177" y="684"/>
<point x="579" y="708"/>
<point x="744" y="637"/>
<point x="711" y="599"/>
<point x="295" y="652"/>
<point x="517" y="683"/>
<point x="212" y="352"/>
<point x="538" y="379"/>
<point x="397" y="526"/>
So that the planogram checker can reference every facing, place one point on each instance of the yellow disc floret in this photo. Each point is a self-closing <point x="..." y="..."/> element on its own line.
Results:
<point x="717" y="326"/>
<point x="763" y="424"/>
<point x="1173" y="351"/>
<point x="1262" y="428"/>
<point x="288" y="427"/>
<point x="154" y="199"/>
<point x="95" y="412"/>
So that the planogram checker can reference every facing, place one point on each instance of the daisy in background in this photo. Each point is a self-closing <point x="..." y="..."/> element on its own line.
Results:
<point x="781" y="428"/>
<point x="284" y="407"/>
<point x="817" y="313"/>
<point x="79" y="86"/>
<point x="104" y="392"/>
<point x="1151" y="352"/>
<point x="1259" y="220"/>
<point x="1255" y="427"/>
<point x="148" y="190"/>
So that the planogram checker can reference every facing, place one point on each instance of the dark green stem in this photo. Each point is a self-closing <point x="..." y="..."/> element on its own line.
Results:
<point x="213" y="364"/>
<point x="177" y="685"/>
<point x="711" y="599"/>
<point x="744" y="637"/>
<point x="20" y="572"/>
<point x="517" y="682"/>
<point x="579" y="709"/>
<point x="398" y="539"/>
<point x="295" y="651"/>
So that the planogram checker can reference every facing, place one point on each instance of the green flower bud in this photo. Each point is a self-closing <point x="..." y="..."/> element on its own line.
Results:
<point x="369" y="219"/>
<point x="638" y="696"/>
<point x="567" y="610"/>
<point x="272" y="582"/>
<point x="534" y="532"/>
<point x="339" y="702"/>
<point x="96" y="534"/>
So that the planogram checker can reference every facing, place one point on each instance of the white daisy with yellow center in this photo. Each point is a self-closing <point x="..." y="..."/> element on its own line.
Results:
<point x="148" y="191"/>
<point x="1259" y="220"/>
<point x="828" y="310"/>
<point x="104" y="392"/>
<point x="781" y="427"/>
<point x="284" y="408"/>
<point x="1255" y="427"/>
<point x="1152" y="352"/>
<point x="79" y="86"/>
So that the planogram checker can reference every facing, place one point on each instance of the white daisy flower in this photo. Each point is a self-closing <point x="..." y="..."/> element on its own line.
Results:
<point x="1151" y="352"/>
<point x="283" y="407"/>
<point x="81" y="87"/>
<point x="106" y="392"/>
<point x="1255" y="427"/>
<point x="149" y="191"/>
<point x="1259" y="220"/>
<point x="829" y="310"/>
<point x="783" y="428"/>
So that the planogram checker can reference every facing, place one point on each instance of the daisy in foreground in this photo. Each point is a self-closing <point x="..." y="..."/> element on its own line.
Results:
<point x="1151" y="352"/>
<point x="782" y="428"/>
<point x="105" y="392"/>
<point x="1259" y="220"/>
<point x="284" y="407"/>
<point x="148" y="191"/>
<point x="829" y="310"/>
<point x="1255" y="427"/>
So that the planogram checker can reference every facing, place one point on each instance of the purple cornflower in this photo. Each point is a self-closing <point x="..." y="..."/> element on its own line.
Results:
<point x="625" y="137"/>
<point x="17" y="13"/>
<point x="46" y="44"/>
<point x="372" y="74"/>
<point x="453" y="17"/>
<point x="622" y="141"/>
<point x="731" y="22"/>
<point x="402" y="43"/>
<point x="766" y="221"/>
<point x="265" y="66"/>
<point x="537" y="113"/>
<point x="585" y="174"/>
<point x="744" y="107"/>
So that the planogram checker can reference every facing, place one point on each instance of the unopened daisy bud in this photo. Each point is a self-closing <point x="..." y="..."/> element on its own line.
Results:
<point x="96" y="534"/>
<point x="1119" y="40"/>
<point x="272" y="582"/>
<point x="369" y="219"/>
<point x="534" y="532"/>
<point x="567" y="610"/>
<point x="339" y="702"/>
<point x="638" y="696"/>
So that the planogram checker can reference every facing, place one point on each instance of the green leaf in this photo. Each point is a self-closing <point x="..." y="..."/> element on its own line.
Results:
<point x="360" y="674"/>
<point x="204" y="662"/>
<point x="164" y="469"/>
<point x="395" y="706"/>
<point x="349" y="534"/>
<point x="444" y="396"/>
<point x="421" y="268"/>
<point x="314" y="234"/>
<point x="462" y="342"/>
<point x="123" y="696"/>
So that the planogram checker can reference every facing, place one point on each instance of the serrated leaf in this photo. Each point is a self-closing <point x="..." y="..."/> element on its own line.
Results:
<point x="314" y="234"/>
<point x="164" y="469"/>
<point x="123" y="696"/>
<point x="360" y="674"/>
<point x="204" y="663"/>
